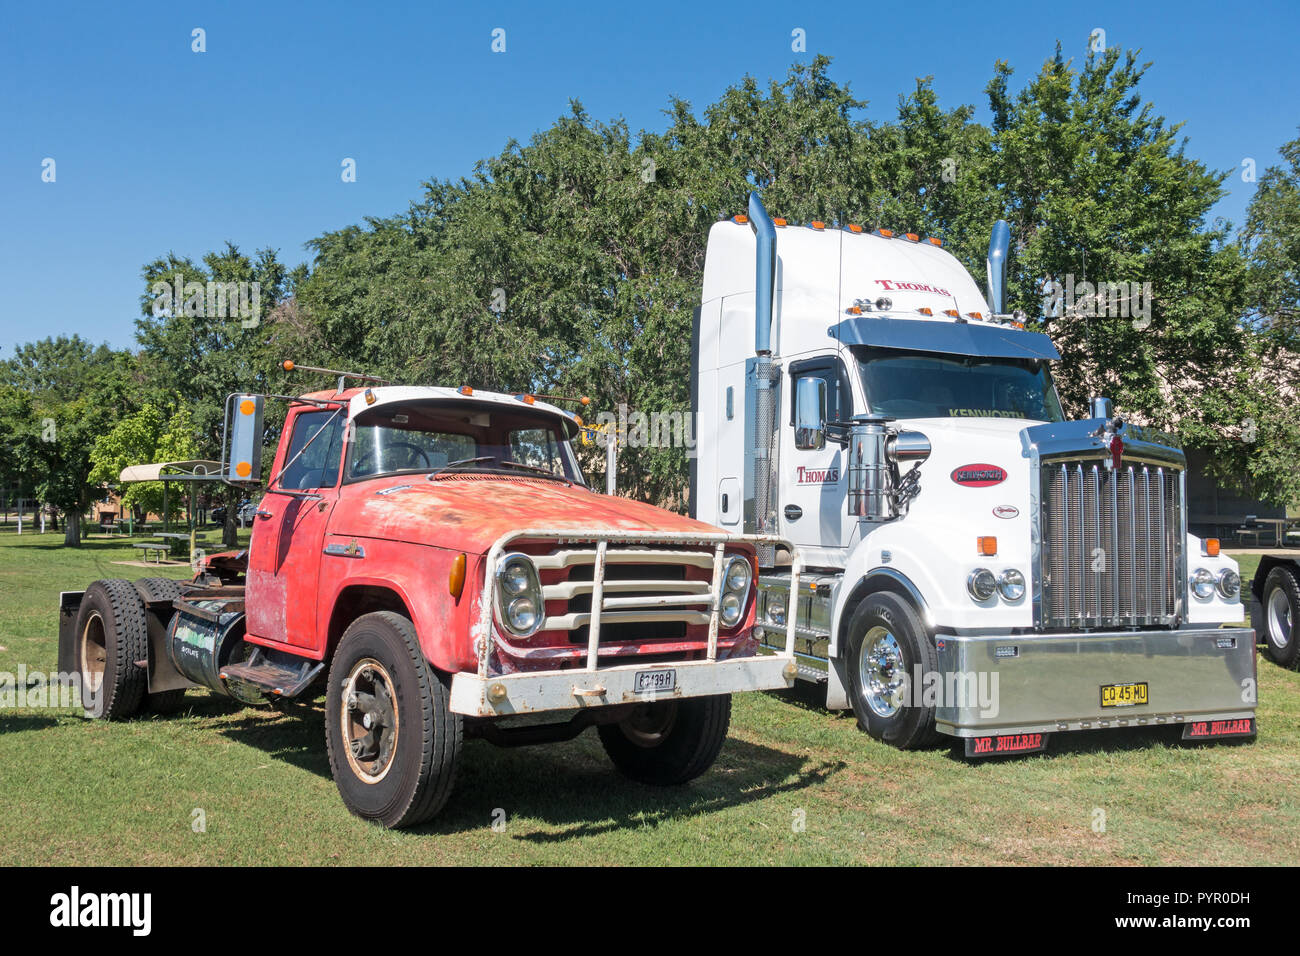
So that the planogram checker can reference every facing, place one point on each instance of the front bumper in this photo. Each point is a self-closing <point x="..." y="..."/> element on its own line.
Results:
<point x="1006" y="684"/>
<point x="531" y="693"/>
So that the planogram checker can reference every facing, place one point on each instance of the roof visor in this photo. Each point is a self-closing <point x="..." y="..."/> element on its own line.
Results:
<point x="954" y="338"/>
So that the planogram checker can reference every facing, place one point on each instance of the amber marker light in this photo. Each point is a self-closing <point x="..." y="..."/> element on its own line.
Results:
<point x="1211" y="547"/>
<point x="287" y="365"/>
<point x="986" y="546"/>
<point x="456" y="579"/>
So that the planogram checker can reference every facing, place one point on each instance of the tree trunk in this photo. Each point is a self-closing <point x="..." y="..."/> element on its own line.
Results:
<point x="72" y="530"/>
<point x="229" y="533"/>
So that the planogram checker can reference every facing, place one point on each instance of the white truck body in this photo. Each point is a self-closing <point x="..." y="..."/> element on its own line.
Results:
<point x="1107" y="599"/>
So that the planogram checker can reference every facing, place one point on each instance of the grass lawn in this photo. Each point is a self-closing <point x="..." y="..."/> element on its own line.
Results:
<point x="80" y="792"/>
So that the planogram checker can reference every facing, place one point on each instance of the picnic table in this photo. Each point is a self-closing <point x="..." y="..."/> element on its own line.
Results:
<point x="160" y="548"/>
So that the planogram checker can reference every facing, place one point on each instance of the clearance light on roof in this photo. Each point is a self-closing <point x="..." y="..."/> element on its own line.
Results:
<point x="855" y="309"/>
<point x="854" y="228"/>
<point x="925" y="311"/>
<point x="370" y="397"/>
<point x="817" y="224"/>
<point x="913" y="237"/>
<point x="740" y="218"/>
<point x="526" y="399"/>
<point x="934" y="242"/>
<point x="887" y="233"/>
<point x="975" y="315"/>
<point x="952" y="313"/>
<point x="779" y="222"/>
<point x="465" y="390"/>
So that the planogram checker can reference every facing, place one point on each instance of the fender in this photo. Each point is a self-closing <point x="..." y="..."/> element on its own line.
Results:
<point x="419" y="579"/>
<point x="877" y="579"/>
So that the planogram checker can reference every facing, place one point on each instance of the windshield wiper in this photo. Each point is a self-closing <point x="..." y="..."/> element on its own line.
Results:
<point x="457" y="463"/>
<point x="546" y="472"/>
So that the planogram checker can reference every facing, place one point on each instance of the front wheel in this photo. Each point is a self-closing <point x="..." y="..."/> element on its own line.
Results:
<point x="888" y="647"/>
<point x="669" y="742"/>
<point x="1281" y="610"/>
<point x="393" y="741"/>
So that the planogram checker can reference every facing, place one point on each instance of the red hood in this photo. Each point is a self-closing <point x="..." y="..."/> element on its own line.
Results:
<point x="470" y="512"/>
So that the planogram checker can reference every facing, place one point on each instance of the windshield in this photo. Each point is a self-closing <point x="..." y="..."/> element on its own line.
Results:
<point x="427" y="436"/>
<point x="902" y="384"/>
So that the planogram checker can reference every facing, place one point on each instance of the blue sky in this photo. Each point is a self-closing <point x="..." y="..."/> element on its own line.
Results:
<point x="158" y="148"/>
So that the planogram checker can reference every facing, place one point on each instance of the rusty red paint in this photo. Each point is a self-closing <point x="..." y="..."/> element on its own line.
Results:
<point x="401" y="533"/>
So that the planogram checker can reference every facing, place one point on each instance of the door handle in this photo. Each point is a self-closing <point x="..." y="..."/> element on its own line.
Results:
<point x="264" y="514"/>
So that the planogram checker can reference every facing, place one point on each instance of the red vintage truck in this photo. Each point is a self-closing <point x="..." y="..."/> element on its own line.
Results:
<point x="435" y="556"/>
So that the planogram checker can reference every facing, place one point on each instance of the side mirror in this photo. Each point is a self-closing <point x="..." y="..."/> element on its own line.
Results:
<point x="810" y="414"/>
<point x="242" y="453"/>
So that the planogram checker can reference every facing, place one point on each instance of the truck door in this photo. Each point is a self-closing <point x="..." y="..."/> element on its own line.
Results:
<point x="813" y="482"/>
<point x="289" y="528"/>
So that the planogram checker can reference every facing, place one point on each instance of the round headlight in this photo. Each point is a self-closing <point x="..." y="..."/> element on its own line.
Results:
<point x="522" y="614"/>
<point x="731" y="609"/>
<point x="1229" y="583"/>
<point x="981" y="584"/>
<point x="1012" y="585"/>
<point x="515" y="577"/>
<point x="1203" y="583"/>
<point x="775" y="611"/>
<point x="737" y="575"/>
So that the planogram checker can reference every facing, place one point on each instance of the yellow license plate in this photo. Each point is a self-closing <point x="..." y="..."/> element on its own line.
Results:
<point x="1123" y="695"/>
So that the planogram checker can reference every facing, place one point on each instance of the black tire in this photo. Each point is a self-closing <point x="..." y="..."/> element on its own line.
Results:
<point x="112" y="635"/>
<point x="669" y="742"/>
<point x="1280" y="614"/>
<point x="160" y="589"/>
<point x="911" y="725"/>
<point x="404" y="771"/>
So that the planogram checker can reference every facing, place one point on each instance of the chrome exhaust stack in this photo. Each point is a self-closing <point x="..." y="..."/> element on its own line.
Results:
<point x="764" y="398"/>
<point x="996" y="265"/>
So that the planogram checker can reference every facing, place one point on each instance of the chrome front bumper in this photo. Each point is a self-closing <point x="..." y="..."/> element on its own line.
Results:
<point x="1051" y="683"/>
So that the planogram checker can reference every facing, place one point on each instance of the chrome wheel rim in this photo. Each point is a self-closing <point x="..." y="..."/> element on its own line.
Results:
<point x="882" y="673"/>
<point x="370" y="722"/>
<point x="1279" y="618"/>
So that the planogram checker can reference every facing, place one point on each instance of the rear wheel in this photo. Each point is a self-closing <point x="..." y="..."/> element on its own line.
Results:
<point x="393" y="740"/>
<point x="669" y="742"/>
<point x="887" y="646"/>
<point x="1281" y="610"/>
<point x="112" y="635"/>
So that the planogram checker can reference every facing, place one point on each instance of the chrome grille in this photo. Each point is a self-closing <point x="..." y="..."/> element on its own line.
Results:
<point x="1111" y="544"/>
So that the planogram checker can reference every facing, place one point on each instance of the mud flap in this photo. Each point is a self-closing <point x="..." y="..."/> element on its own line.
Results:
<point x="1219" y="729"/>
<point x="1004" y="745"/>
<point x="69" y="605"/>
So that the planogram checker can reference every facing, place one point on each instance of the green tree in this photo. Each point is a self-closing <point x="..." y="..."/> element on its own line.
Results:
<point x="76" y="391"/>
<point x="199" y="352"/>
<point x="146" y="436"/>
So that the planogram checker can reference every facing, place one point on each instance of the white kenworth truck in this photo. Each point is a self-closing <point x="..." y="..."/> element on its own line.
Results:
<point x="975" y="565"/>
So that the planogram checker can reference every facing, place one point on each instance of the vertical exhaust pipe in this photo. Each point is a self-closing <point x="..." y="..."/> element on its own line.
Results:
<point x="999" y="246"/>
<point x="764" y="274"/>
<point x="764" y="400"/>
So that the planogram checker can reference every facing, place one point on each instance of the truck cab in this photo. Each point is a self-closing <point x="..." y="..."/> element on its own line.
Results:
<point x="976" y="565"/>
<point x="434" y="557"/>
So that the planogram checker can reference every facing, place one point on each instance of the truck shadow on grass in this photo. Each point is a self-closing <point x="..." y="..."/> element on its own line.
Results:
<point x="571" y="785"/>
